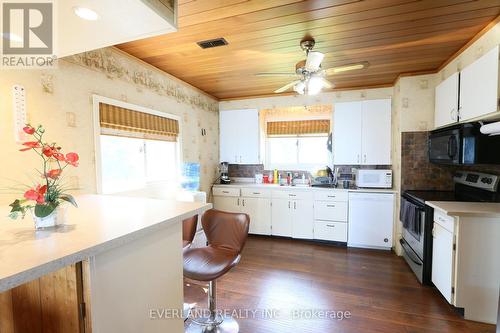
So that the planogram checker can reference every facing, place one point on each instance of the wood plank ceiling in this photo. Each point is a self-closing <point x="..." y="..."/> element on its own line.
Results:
<point x="394" y="36"/>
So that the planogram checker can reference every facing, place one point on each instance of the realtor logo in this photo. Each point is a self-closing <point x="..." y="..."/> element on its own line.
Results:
<point x="28" y="34"/>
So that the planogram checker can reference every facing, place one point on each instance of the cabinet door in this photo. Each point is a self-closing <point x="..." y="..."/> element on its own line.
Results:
<point x="442" y="261"/>
<point x="303" y="219"/>
<point x="376" y="132"/>
<point x="227" y="204"/>
<point x="281" y="217"/>
<point x="239" y="136"/>
<point x="446" y="104"/>
<point x="479" y="86"/>
<point x="347" y="133"/>
<point x="259" y="210"/>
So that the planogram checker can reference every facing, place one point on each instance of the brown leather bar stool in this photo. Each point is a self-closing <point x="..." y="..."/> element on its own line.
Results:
<point x="226" y="234"/>
<point x="188" y="231"/>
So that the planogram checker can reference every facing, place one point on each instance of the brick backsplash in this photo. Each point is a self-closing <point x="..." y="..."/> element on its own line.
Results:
<point x="417" y="173"/>
<point x="244" y="170"/>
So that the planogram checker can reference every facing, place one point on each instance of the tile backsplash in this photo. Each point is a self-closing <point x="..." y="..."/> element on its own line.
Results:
<point x="417" y="173"/>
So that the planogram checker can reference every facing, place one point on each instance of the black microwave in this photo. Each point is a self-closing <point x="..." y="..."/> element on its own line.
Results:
<point x="463" y="145"/>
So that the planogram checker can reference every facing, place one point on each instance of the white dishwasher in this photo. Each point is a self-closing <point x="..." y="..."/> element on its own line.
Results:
<point x="371" y="219"/>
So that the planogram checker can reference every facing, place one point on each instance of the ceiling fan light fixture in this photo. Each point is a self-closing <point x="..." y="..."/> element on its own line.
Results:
<point x="300" y="88"/>
<point x="314" y="86"/>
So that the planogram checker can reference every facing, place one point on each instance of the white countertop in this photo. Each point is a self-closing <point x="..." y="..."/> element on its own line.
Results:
<point x="303" y="188"/>
<point x="479" y="209"/>
<point x="100" y="223"/>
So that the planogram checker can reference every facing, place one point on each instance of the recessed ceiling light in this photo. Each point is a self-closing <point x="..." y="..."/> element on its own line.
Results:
<point x="85" y="13"/>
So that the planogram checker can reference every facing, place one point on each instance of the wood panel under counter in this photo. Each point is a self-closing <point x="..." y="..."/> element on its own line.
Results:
<point x="112" y="250"/>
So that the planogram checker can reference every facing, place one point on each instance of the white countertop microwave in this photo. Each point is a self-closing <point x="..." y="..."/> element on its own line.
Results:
<point x="374" y="178"/>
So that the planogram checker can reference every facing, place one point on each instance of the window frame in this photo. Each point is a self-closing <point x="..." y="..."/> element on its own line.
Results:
<point x="295" y="166"/>
<point x="96" y="100"/>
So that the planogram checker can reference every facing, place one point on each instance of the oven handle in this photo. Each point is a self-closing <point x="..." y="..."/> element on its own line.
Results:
<point x="408" y="252"/>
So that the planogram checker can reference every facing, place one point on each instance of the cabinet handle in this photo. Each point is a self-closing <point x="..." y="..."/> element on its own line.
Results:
<point x="256" y="192"/>
<point x="331" y="206"/>
<point x="331" y="196"/>
<point x="238" y="201"/>
<point x="292" y="195"/>
<point x="288" y="204"/>
<point x="365" y="158"/>
<point x="453" y="114"/>
<point x="243" y="202"/>
<point x="225" y="191"/>
<point x="331" y="225"/>
<point x="295" y="205"/>
<point x="240" y="158"/>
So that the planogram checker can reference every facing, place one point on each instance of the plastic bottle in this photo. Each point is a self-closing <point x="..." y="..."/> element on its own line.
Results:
<point x="275" y="176"/>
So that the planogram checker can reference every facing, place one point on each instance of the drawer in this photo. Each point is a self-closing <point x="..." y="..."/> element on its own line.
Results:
<point x="447" y="222"/>
<point x="292" y="195"/>
<point x="332" y="195"/>
<point x="226" y="191"/>
<point x="330" y="211"/>
<point x="256" y="192"/>
<point x="330" y="231"/>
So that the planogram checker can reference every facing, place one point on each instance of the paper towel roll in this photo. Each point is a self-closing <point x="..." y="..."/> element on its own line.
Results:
<point x="491" y="129"/>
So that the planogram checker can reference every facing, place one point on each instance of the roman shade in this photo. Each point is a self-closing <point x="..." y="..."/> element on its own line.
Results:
<point x="119" y="121"/>
<point x="298" y="127"/>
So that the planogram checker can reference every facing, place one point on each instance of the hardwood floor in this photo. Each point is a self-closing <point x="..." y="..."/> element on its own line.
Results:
<point x="376" y="287"/>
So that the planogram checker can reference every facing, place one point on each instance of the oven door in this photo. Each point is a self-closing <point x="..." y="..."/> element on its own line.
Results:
<point x="416" y="240"/>
<point x="416" y="264"/>
<point x="445" y="147"/>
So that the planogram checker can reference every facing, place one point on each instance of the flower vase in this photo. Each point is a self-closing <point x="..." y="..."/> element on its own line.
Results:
<point x="57" y="217"/>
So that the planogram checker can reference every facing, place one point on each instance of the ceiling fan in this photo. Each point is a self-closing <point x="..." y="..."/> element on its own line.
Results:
<point x="310" y="76"/>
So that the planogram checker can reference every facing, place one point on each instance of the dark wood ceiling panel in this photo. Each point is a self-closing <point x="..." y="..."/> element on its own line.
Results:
<point x="395" y="36"/>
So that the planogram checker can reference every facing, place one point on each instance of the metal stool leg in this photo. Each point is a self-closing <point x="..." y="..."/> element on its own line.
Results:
<point x="215" y="323"/>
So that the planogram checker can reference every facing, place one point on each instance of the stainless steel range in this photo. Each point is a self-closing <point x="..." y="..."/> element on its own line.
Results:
<point x="417" y="217"/>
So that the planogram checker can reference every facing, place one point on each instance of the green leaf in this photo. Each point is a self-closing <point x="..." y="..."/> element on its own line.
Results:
<point x="16" y="206"/>
<point x="44" y="210"/>
<point x="14" y="215"/>
<point x="69" y="198"/>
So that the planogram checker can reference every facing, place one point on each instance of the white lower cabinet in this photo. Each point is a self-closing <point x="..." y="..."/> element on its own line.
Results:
<point x="443" y="261"/>
<point x="257" y="205"/>
<point x="259" y="210"/>
<point x="330" y="231"/>
<point x="292" y="218"/>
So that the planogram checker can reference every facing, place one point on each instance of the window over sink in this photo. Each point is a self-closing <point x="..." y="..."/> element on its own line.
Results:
<point x="297" y="152"/>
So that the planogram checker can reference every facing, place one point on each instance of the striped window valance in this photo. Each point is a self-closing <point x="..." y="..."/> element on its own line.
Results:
<point x="298" y="127"/>
<point x="119" y="121"/>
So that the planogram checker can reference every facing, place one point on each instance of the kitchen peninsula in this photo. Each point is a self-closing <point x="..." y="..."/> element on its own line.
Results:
<point x="117" y="257"/>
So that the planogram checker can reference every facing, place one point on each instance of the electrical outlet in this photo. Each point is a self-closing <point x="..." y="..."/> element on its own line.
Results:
<point x="71" y="119"/>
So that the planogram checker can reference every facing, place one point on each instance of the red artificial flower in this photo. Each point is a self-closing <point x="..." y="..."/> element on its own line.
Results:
<point x="54" y="173"/>
<point x="49" y="151"/>
<point x="37" y="194"/>
<point x="30" y="145"/>
<point x="72" y="158"/>
<point x="28" y="129"/>
<point x="59" y="157"/>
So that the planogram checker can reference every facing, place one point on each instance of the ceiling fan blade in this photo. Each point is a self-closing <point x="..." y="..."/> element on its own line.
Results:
<point x="314" y="60"/>
<point x="277" y="74"/>
<point x="327" y="84"/>
<point x="286" y="87"/>
<point x="345" y="68"/>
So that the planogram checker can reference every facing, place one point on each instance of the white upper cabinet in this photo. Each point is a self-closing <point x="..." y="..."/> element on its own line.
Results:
<point x="347" y="133"/>
<point x="362" y="133"/>
<point x="479" y="89"/>
<point x="376" y="132"/>
<point x="239" y="136"/>
<point x="446" y="104"/>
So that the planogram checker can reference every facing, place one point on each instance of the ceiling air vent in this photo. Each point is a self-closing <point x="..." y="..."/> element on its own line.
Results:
<point x="207" y="44"/>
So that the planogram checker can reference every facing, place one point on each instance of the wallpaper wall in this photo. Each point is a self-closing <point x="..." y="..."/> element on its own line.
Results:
<point x="61" y="100"/>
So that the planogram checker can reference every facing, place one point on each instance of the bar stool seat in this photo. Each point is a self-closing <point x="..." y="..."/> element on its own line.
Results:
<point x="209" y="263"/>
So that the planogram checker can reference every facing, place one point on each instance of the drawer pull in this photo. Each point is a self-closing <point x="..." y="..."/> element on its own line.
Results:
<point x="331" y="206"/>
<point x="330" y="225"/>
<point x="292" y="195"/>
<point x="332" y="196"/>
<point x="225" y="192"/>
<point x="256" y="192"/>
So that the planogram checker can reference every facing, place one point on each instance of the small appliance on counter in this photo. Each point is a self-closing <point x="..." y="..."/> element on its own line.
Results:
<point x="374" y="178"/>
<point x="224" y="173"/>
<point x="323" y="178"/>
